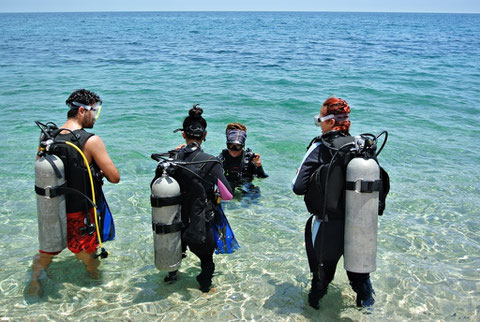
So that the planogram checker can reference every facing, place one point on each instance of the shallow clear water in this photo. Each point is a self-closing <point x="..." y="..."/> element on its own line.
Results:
<point x="415" y="75"/>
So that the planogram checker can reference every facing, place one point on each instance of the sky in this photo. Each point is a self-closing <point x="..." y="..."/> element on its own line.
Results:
<point x="447" y="6"/>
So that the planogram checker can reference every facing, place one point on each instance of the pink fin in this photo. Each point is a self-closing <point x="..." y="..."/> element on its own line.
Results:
<point x="224" y="193"/>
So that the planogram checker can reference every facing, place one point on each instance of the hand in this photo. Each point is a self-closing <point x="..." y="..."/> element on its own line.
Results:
<point x="100" y="175"/>
<point x="180" y="146"/>
<point x="257" y="161"/>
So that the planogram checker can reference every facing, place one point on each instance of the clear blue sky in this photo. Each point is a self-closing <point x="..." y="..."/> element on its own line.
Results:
<point x="467" y="6"/>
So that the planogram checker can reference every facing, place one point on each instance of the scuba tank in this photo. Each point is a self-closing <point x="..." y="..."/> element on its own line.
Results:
<point x="51" y="207"/>
<point x="165" y="199"/>
<point x="363" y="186"/>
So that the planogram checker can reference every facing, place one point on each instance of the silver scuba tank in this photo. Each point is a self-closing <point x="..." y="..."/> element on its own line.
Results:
<point x="361" y="215"/>
<point x="166" y="223"/>
<point x="51" y="208"/>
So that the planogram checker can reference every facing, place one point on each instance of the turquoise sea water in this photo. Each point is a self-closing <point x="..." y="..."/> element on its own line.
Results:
<point x="415" y="75"/>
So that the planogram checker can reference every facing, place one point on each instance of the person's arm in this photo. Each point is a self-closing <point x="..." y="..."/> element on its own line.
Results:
<point x="225" y="189"/>
<point x="98" y="152"/>
<point x="258" y="169"/>
<point x="309" y="164"/>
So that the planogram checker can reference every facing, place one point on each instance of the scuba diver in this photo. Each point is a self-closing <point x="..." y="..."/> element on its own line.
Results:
<point x="240" y="165"/>
<point x="345" y="191"/>
<point x="67" y="212"/>
<point x="202" y="184"/>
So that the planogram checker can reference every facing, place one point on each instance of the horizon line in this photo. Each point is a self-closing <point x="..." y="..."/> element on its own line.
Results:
<point x="265" y="11"/>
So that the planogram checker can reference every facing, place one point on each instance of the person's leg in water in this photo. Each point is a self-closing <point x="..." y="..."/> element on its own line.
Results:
<point x="91" y="263"/>
<point x="327" y="255"/>
<point x="205" y="277"/>
<point x="205" y="254"/>
<point x="361" y="284"/>
<point x="82" y="244"/>
<point x="320" y="281"/>
<point x="41" y="261"/>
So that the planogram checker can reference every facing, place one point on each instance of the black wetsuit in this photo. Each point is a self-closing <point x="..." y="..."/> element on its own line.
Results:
<point x="329" y="241"/>
<point x="241" y="169"/>
<point x="197" y="196"/>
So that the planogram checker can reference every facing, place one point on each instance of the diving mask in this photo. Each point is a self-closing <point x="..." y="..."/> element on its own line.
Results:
<point x="318" y="119"/>
<point x="234" y="147"/>
<point x="95" y="109"/>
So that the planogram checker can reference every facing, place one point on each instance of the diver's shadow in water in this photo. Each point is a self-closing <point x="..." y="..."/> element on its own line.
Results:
<point x="53" y="280"/>
<point x="288" y="298"/>
<point x="153" y="288"/>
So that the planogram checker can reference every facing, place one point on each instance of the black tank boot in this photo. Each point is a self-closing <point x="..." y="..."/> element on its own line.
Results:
<point x="205" y="277"/>
<point x="318" y="290"/>
<point x="171" y="277"/>
<point x="364" y="292"/>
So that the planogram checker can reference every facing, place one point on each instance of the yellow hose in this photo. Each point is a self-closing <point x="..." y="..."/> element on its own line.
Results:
<point x="93" y="190"/>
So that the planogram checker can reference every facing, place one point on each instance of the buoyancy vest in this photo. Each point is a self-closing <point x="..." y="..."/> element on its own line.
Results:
<point x="336" y="171"/>
<point x="335" y="196"/>
<point x="75" y="172"/>
<point x="197" y="193"/>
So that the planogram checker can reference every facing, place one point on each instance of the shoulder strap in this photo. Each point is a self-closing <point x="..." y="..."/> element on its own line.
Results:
<point x="83" y="137"/>
<point x="314" y="140"/>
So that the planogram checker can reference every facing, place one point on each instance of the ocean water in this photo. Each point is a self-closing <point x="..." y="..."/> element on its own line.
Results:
<point x="415" y="75"/>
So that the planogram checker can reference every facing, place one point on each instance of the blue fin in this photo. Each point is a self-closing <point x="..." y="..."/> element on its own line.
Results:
<point x="107" y="226"/>
<point x="223" y="234"/>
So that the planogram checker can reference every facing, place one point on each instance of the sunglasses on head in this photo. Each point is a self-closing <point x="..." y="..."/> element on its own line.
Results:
<point x="234" y="147"/>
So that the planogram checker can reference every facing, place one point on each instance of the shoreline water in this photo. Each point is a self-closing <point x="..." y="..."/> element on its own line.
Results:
<point x="416" y="76"/>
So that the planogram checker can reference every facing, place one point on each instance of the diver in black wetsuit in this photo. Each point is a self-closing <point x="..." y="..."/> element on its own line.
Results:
<point x="197" y="186"/>
<point x="326" y="237"/>
<point x="240" y="165"/>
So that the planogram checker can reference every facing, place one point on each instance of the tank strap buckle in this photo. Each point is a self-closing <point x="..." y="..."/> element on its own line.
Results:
<point x="48" y="191"/>
<point x="51" y="192"/>
<point x="165" y="201"/>
<point x="167" y="229"/>
<point x="362" y="186"/>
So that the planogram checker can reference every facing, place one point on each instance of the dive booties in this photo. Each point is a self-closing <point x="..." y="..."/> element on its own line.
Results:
<point x="205" y="277"/>
<point x="317" y="292"/>
<point x="364" y="292"/>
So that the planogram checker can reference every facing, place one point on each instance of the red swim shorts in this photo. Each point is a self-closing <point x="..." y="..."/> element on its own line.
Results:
<point x="75" y="240"/>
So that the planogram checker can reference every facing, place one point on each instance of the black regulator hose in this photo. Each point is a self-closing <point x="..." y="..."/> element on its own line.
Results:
<point x="384" y="141"/>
